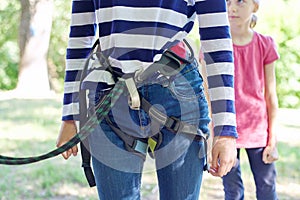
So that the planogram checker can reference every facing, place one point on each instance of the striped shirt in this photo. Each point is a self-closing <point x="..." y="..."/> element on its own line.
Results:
<point x="135" y="33"/>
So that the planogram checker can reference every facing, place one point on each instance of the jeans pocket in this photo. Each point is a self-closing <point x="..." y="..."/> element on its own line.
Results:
<point x="187" y="85"/>
<point x="187" y="88"/>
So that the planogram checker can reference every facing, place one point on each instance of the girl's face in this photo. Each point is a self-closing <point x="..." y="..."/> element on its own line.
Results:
<point x="240" y="11"/>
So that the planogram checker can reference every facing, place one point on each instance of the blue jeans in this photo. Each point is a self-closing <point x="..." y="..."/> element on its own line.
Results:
<point x="264" y="177"/>
<point x="178" y="160"/>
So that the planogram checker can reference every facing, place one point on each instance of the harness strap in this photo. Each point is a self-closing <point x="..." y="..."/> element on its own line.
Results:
<point x="136" y="145"/>
<point x="86" y="163"/>
<point x="84" y="144"/>
<point x="134" y="97"/>
<point x="172" y="123"/>
<point x="175" y="125"/>
<point x="139" y="146"/>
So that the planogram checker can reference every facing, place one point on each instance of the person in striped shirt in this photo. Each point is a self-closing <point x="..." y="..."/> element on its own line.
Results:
<point x="133" y="35"/>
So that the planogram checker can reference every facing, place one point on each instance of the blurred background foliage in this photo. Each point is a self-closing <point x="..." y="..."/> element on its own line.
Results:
<point x="278" y="19"/>
<point x="58" y="43"/>
<point x="9" y="51"/>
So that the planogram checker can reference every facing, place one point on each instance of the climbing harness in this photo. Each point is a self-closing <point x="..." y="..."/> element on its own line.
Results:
<point x="169" y="65"/>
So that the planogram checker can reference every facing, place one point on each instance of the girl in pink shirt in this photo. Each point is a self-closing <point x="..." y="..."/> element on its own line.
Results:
<point x="256" y="101"/>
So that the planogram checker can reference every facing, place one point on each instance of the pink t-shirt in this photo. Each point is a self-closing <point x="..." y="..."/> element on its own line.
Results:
<point x="251" y="112"/>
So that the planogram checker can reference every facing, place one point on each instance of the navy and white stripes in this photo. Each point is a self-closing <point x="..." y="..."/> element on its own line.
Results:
<point x="134" y="33"/>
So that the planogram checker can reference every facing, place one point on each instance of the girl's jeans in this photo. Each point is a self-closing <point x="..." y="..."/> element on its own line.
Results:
<point x="179" y="160"/>
<point x="264" y="177"/>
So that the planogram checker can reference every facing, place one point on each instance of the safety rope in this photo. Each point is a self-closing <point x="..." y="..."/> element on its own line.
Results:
<point x="101" y="111"/>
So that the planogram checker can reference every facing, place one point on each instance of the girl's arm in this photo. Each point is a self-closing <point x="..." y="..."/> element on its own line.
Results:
<point x="270" y="153"/>
<point x="271" y="101"/>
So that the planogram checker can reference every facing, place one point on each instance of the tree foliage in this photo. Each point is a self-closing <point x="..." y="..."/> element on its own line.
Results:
<point x="34" y="38"/>
<point x="280" y="19"/>
<point x="10" y="11"/>
<point x="9" y="52"/>
<point x="58" y="42"/>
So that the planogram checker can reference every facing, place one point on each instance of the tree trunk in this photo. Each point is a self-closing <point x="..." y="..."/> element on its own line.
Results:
<point x="34" y="37"/>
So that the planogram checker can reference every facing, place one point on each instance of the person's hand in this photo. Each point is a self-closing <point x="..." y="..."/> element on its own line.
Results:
<point x="67" y="131"/>
<point x="223" y="155"/>
<point x="270" y="154"/>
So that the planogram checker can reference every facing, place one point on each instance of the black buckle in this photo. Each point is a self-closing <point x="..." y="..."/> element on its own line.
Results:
<point x="173" y="124"/>
<point x="131" y="148"/>
<point x="85" y="165"/>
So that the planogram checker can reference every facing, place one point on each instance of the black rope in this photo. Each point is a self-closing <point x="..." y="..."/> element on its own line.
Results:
<point x="101" y="111"/>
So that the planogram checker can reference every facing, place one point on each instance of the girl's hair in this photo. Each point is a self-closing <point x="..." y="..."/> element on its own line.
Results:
<point x="253" y="21"/>
<point x="254" y="17"/>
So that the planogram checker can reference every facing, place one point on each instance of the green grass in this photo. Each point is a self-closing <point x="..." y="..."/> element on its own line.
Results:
<point x="27" y="128"/>
<point x="30" y="127"/>
<point x="289" y="163"/>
